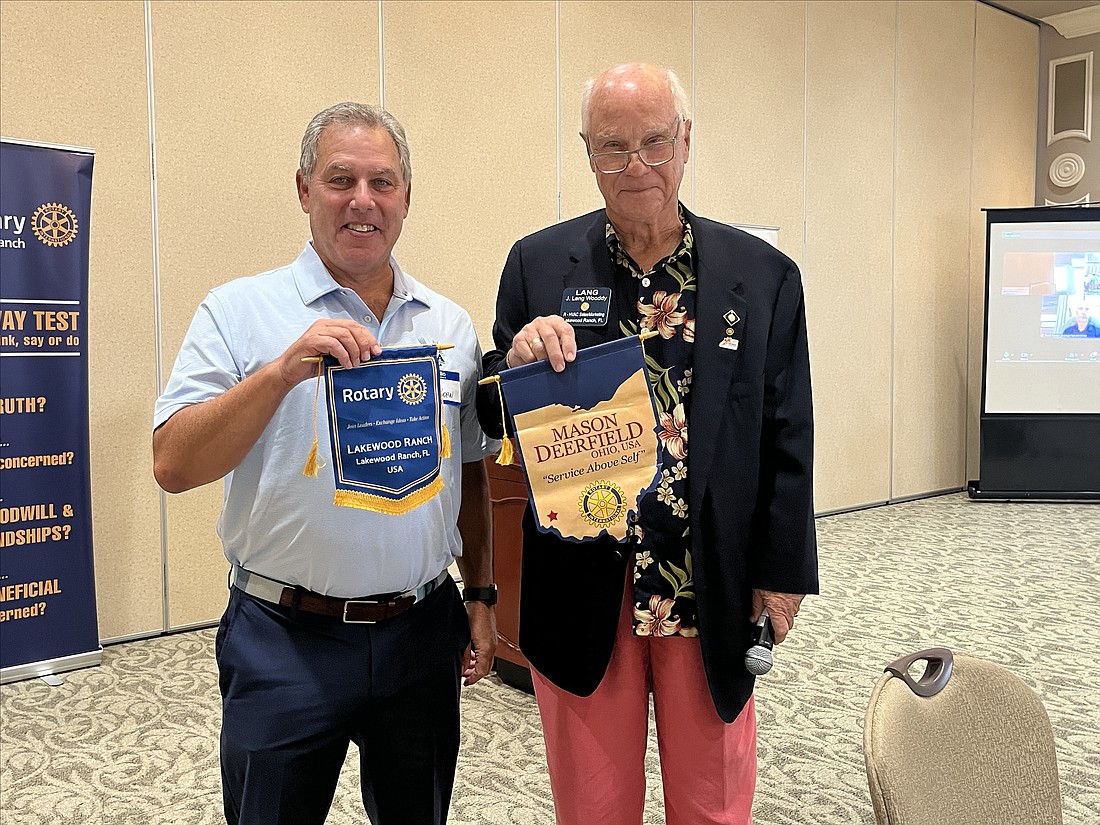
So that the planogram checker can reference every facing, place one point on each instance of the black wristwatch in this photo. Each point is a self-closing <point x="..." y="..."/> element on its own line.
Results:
<point x="480" y="594"/>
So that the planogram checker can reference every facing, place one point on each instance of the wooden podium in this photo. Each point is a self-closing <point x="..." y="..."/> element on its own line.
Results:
<point x="508" y="491"/>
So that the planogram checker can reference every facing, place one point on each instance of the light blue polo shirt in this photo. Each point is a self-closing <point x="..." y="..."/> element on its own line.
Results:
<point x="280" y="523"/>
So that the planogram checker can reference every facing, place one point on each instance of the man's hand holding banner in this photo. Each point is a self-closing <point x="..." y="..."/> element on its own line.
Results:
<point x="587" y="439"/>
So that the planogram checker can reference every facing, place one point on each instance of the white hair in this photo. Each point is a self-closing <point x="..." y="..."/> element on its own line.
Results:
<point x="675" y="88"/>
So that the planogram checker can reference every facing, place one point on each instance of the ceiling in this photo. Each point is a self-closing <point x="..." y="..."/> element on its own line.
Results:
<point x="1038" y="9"/>
<point x="1071" y="18"/>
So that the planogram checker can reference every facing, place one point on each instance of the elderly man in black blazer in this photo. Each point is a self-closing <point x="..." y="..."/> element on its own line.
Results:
<point x="729" y="530"/>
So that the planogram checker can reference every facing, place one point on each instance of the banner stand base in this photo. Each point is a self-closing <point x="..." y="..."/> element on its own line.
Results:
<point x="48" y="667"/>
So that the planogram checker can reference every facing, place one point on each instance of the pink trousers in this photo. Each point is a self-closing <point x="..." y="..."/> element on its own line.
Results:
<point x="595" y="745"/>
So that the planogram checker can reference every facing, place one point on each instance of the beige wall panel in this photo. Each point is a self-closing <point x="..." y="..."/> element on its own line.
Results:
<point x="931" y="245"/>
<point x="595" y="36"/>
<point x="1003" y="165"/>
<point x="74" y="73"/>
<point x="849" y="128"/>
<point x="473" y="84"/>
<point x="235" y="86"/>
<point x="749" y="115"/>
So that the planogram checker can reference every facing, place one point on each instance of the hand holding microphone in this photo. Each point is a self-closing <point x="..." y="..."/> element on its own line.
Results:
<point x="765" y="636"/>
<point x="758" y="658"/>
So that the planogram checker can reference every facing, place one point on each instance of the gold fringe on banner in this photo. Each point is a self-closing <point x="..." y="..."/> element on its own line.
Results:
<point x="389" y="506"/>
<point x="311" y="463"/>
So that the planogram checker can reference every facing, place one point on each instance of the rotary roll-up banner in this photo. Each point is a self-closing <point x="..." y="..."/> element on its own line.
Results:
<point x="587" y="439"/>
<point x="47" y="580"/>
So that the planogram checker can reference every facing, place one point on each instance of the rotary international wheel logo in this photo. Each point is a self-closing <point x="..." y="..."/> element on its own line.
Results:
<point x="412" y="388"/>
<point x="54" y="224"/>
<point x="602" y="503"/>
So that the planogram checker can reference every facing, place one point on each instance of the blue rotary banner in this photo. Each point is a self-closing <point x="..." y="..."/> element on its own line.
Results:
<point x="386" y="429"/>
<point x="587" y="439"/>
<point x="47" y="580"/>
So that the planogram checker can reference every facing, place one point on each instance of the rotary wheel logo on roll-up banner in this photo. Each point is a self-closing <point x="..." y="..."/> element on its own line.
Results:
<point x="54" y="224"/>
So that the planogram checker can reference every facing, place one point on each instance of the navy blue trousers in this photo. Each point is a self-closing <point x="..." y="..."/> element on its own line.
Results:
<point x="298" y="689"/>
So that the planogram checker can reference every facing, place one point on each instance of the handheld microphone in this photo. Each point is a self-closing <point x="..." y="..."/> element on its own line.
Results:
<point x="758" y="658"/>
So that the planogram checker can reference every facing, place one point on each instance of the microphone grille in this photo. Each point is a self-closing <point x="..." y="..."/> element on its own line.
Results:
<point x="758" y="660"/>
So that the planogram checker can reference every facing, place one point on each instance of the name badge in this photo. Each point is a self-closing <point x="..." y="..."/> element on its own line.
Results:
<point x="450" y="387"/>
<point x="586" y="306"/>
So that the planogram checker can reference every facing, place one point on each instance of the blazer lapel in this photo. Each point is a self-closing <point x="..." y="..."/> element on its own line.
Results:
<point x="714" y="367"/>
<point x="590" y="266"/>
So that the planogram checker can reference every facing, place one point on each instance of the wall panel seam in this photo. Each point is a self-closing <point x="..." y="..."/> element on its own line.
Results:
<point x="557" y="105"/>
<point x="970" y="251"/>
<point x="381" y="58"/>
<point x="805" y="128"/>
<point x="694" y="155"/>
<point x="894" y="255"/>
<point x="158" y="342"/>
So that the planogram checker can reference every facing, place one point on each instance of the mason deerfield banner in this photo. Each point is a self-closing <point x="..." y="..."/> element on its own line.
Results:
<point x="386" y="429"/>
<point x="587" y="438"/>
<point x="47" y="580"/>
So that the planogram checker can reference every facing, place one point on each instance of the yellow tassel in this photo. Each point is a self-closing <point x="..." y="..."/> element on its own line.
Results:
<point x="444" y="443"/>
<point x="506" y="455"/>
<point x="311" y="463"/>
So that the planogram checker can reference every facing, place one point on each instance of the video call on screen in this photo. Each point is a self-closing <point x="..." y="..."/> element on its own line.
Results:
<point x="1043" y="333"/>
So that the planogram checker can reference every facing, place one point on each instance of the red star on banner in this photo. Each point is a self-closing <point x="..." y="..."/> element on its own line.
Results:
<point x="553" y="516"/>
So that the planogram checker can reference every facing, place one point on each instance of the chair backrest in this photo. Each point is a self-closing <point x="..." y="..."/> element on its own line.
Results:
<point x="968" y="743"/>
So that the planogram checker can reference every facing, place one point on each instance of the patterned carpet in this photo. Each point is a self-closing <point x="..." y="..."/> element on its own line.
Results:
<point x="135" y="740"/>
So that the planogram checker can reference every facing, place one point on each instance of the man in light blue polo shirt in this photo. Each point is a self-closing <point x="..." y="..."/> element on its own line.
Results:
<point x="343" y="624"/>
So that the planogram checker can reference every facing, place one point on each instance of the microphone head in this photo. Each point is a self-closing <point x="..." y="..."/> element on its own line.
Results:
<point x="758" y="660"/>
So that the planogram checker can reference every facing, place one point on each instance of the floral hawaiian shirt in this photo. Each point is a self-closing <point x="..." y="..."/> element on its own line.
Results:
<point x="664" y="592"/>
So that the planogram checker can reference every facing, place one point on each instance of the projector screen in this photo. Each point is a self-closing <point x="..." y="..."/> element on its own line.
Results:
<point x="1043" y="312"/>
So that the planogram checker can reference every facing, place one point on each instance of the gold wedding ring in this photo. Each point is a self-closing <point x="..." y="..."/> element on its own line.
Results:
<point x="536" y="340"/>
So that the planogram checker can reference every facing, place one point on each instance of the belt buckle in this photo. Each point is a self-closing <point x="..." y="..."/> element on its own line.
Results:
<point x="359" y="601"/>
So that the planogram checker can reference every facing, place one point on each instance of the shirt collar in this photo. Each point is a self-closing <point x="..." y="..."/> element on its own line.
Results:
<point x="314" y="281"/>
<point x="407" y="288"/>
<point x="685" y="246"/>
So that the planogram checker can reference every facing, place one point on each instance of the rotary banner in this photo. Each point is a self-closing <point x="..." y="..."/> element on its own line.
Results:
<point x="587" y="439"/>
<point x="47" y="576"/>
<point x="386" y="429"/>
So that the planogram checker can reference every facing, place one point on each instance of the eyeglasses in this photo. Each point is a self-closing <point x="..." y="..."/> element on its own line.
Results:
<point x="657" y="153"/>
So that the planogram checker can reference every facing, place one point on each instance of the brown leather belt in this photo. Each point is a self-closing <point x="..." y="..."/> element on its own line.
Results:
<point x="365" y="610"/>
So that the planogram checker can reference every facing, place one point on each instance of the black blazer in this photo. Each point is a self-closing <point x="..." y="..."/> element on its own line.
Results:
<point x="750" y="452"/>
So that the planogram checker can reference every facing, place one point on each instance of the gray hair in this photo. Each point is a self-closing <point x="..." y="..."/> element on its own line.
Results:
<point x="675" y="88"/>
<point x="353" y="114"/>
